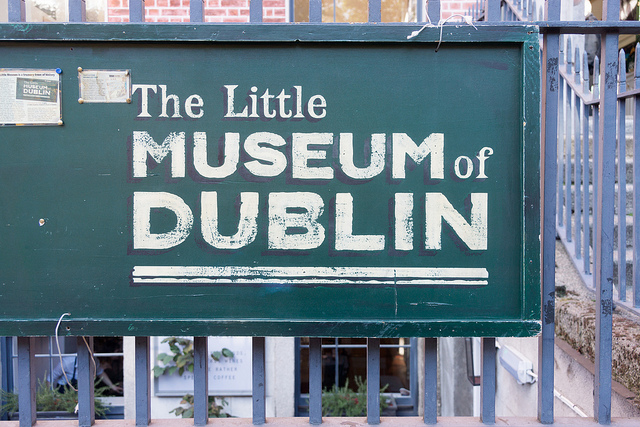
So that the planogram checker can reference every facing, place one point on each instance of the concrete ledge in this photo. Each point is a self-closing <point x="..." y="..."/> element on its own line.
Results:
<point x="576" y="326"/>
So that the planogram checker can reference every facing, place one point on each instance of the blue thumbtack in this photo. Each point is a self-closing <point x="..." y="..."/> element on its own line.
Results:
<point x="59" y="70"/>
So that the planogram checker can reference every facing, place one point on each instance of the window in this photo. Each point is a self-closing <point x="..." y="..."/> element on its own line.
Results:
<point x="356" y="10"/>
<point x="345" y="359"/>
<point x="108" y="350"/>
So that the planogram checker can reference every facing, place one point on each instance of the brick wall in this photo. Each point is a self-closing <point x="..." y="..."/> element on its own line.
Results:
<point x="214" y="10"/>
<point x="452" y="7"/>
<point x="235" y="10"/>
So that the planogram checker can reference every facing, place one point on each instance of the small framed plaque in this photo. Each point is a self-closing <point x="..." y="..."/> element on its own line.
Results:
<point x="29" y="97"/>
<point x="104" y="86"/>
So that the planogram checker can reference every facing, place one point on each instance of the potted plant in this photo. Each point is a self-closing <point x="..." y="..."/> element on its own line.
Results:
<point x="344" y="402"/>
<point x="52" y="403"/>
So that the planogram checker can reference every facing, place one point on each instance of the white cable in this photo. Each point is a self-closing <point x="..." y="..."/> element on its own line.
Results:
<point x="60" y="353"/>
<point x="466" y="18"/>
<point x="569" y="403"/>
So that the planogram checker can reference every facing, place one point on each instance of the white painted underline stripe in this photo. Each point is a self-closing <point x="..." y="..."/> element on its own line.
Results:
<point x="148" y="275"/>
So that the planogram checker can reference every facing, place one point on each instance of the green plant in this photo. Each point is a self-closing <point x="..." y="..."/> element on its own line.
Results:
<point x="48" y="399"/>
<point x="344" y="402"/>
<point x="215" y="410"/>
<point x="181" y="357"/>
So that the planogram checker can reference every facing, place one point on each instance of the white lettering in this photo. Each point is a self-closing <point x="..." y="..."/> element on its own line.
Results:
<point x="289" y="213"/>
<point x="404" y="146"/>
<point x="194" y="101"/>
<point x="345" y="239"/>
<point x="276" y="161"/>
<point x="247" y="224"/>
<point x="301" y="154"/>
<point x="438" y="208"/>
<point x="165" y="102"/>
<point x="143" y="203"/>
<point x="229" y="163"/>
<point x="376" y="163"/>
<point x="403" y="216"/>
<point x="144" y="98"/>
<point x="144" y="144"/>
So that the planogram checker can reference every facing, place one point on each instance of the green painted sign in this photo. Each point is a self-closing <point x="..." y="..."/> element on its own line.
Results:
<point x="272" y="180"/>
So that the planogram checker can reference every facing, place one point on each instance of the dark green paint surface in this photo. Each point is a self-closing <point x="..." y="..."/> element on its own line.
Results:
<point x="77" y="177"/>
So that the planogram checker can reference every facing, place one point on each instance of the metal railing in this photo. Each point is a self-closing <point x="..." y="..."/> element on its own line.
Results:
<point x="578" y="160"/>
<point x="602" y="106"/>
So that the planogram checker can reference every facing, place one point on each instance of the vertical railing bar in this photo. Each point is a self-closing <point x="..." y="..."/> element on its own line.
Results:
<point x="430" y="380"/>
<point x="77" y="11"/>
<point x="577" y="160"/>
<point x="315" y="10"/>
<point x="200" y="381"/>
<point x="549" y="170"/>
<point x="26" y="381"/>
<point x="596" y="164"/>
<point x="196" y="11"/>
<point x="255" y="11"/>
<point x="336" y="372"/>
<point x="636" y="186"/>
<point x="622" y="181"/>
<point x="86" y="372"/>
<point x="560" y="138"/>
<point x="491" y="10"/>
<point x="259" y="393"/>
<point x="136" y="11"/>
<point x="413" y="366"/>
<point x="315" y="381"/>
<point x="143" y="382"/>
<point x="585" y="170"/>
<point x="568" y="95"/>
<point x="488" y="381"/>
<point x="17" y="11"/>
<point x="433" y="11"/>
<point x="373" y="381"/>
<point x="6" y="374"/>
<point x="605" y="214"/>
<point x="375" y="10"/>
<point x="50" y="345"/>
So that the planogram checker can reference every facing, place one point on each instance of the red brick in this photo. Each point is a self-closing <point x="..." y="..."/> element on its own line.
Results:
<point x="118" y="12"/>
<point x="215" y="12"/>
<point x="114" y="3"/>
<point x="234" y="3"/>
<point x="174" y="12"/>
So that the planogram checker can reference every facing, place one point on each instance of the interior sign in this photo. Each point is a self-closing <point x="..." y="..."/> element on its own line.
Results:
<point x="29" y="97"/>
<point x="334" y="188"/>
